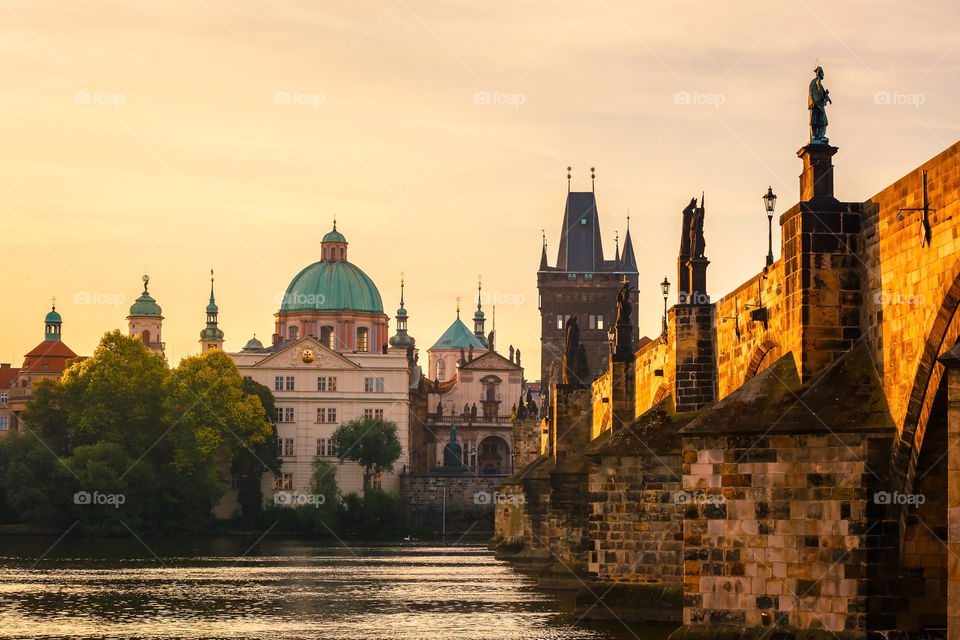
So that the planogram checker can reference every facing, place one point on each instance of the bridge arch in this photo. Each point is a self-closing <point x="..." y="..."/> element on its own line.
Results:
<point x="765" y="354"/>
<point x="662" y="392"/>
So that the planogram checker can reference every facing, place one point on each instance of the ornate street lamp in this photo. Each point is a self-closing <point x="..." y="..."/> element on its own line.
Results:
<point x="769" y="202"/>
<point x="665" y="288"/>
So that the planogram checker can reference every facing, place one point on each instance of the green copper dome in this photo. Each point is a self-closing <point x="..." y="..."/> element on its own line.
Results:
<point x="458" y="335"/>
<point x="332" y="285"/>
<point x="145" y="306"/>
<point x="53" y="317"/>
<point x="334" y="236"/>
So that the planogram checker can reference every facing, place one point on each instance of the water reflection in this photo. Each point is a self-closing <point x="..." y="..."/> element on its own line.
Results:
<point x="281" y="589"/>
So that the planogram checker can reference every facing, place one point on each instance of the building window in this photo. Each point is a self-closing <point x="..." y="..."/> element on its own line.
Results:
<point x="289" y="383"/>
<point x="291" y="333"/>
<point x="3" y="398"/>
<point x="284" y="414"/>
<point x="278" y="383"/>
<point x="326" y="414"/>
<point x="325" y="447"/>
<point x="326" y="337"/>
<point x="441" y="369"/>
<point x="376" y="482"/>
<point x="559" y="322"/>
<point x="588" y="276"/>
<point x="284" y="482"/>
<point x="373" y="385"/>
<point x="600" y="322"/>
<point x="286" y="447"/>
<point x="593" y="322"/>
<point x="279" y="414"/>
<point x="362" y="339"/>
<point x="373" y="414"/>
<point x="4" y="423"/>
<point x="325" y="383"/>
<point x="343" y="253"/>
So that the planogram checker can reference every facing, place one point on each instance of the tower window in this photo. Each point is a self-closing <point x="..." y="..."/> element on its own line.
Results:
<point x="362" y="339"/>
<point x="343" y="253"/>
<point x="599" y="322"/>
<point x="292" y="333"/>
<point x="559" y="322"/>
<point x="441" y="369"/>
<point x="593" y="322"/>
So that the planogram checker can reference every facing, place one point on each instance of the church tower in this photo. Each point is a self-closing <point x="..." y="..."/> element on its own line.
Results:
<point x="582" y="284"/>
<point x="145" y="319"/>
<point x="402" y="340"/>
<point x="212" y="336"/>
<point x="478" y="319"/>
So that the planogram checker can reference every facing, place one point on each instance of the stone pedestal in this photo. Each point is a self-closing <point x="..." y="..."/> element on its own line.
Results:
<point x="696" y="363"/>
<point x="697" y="268"/>
<point x="622" y="391"/>
<point x="816" y="180"/>
<point x="572" y="419"/>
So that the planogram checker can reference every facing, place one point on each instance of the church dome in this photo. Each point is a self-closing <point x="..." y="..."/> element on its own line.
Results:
<point x="253" y="344"/>
<point x="332" y="285"/>
<point x="334" y="236"/>
<point x="145" y="306"/>
<point x="53" y="317"/>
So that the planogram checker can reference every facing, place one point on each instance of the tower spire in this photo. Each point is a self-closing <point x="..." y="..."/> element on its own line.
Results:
<point x="593" y="179"/>
<point x="569" y="169"/>
<point x="211" y="337"/>
<point x="402" y="340"/>
<point x="478" y="319"/>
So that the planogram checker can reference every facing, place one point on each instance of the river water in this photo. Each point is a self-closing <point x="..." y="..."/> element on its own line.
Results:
<point x="276" y="589"/>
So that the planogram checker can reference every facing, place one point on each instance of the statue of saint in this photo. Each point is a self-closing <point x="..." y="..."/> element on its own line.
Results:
<point x="518" y="357"/>
<point x="687" y="226"/>
<point x="817" y="104"/>
<point x="624" y="308"/>
<point x="490" y="341"/>
<point x="439" y="409"/>
<point x="570" y="351"/>
<point x="697" y="242"/>
<point x="470" y="354"/>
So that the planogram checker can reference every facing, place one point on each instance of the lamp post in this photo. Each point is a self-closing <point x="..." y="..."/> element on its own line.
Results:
<point x="665" y="288"/>
<point x="769" y="202"/>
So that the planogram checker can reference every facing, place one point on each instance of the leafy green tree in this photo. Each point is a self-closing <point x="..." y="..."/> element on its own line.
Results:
<point x="113" y="492"/>
<point x="37" y="487"/>
<point x="210" y="420"/>
<point x="115" y="395"/>
<point x="251" y="463"/>
<point x="370" y="442"/>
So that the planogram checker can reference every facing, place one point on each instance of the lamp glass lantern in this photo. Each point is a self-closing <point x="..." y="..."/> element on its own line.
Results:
<point x="769" y="204"/>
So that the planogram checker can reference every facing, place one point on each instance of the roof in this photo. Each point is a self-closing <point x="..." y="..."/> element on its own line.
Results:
<point x="847" y="397"/>
<point x="580" y="247"/>
<point x="332" y="285"/>
<point x="628" y="262"/>
<point x="7" y="374"/>
<point x="52" y="317"/>
<point x="253" y="344"/>
<point x="334" y="236"/>
<point x="458" y="335"/>
<point x="490" y="360"/>
<point x="145" y="306"/>
<point x="52" y="352"/>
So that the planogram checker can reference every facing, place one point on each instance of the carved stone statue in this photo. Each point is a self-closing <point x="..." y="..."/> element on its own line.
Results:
<point x="521" y="410"/>
<point x="624" y="331"/>
<point x="697" y="242"/>
<point x="463" y="357"/>
<point x="687" y="226"/>
<point x="473" y="411"/>
<point x="439" y="409"/>
<point x="466" y="409"/>
<point x="453" y="452"/>
<point x="570" y="351"/>
<point x="470" y="354"/>
<point x="817" y="101"/>
<point x="511" y="353"/>
<point x="490" y="341"/>
<point x="518" y="357"/>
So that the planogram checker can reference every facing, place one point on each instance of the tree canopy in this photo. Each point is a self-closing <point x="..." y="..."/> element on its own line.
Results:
<point x="370" y="442"/>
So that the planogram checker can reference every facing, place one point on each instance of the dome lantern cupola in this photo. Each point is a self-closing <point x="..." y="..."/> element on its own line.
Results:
<point x="478" y="318"/>
<point x="52" y="323"/>
<point x="212" y="336"/>
<point x="402" y="339"/>
<point x="333" y="247"/>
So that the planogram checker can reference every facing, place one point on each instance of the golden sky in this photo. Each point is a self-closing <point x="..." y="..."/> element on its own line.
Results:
<point x="174" y="137"/>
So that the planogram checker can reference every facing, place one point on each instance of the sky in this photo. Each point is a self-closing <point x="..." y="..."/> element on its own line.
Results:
<point x="172" y="137"/>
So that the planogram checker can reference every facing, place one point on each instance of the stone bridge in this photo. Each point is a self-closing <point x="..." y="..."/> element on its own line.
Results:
<point x="783" y="459"/>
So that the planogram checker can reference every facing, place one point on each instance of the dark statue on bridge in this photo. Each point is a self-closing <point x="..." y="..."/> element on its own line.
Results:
<point x="624" y="332"/>
<point x="817" y="101"/>
<point x="698" y="243"/>
<point x="575" y="372"/>
<point x="453" y="452"/>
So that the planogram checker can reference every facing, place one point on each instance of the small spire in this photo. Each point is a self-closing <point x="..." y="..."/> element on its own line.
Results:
<point x="458" y="306"/>
<point x="628" y="220"/>
<point x="211" y="285"/>
<point x="146" y="282"/>
<point x="616" y="244"/>
<point x="593" y="178"/>
<point x="479" y="287"/>
<point x="53" y="303"/>
<point x="569" y="169"/>
<point x="334" y="223"/>
<point x="401" y="288"/>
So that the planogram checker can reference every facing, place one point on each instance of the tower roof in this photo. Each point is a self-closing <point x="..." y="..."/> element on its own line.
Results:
<point x="580" y="247"/>
<point x="458" y="335"/>
<point x="628" y="262"/>
<point x="145" y="306"/>
<point x="332" y="286"/>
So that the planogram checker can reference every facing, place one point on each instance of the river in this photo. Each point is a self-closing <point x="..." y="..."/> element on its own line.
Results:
<point x="276" y="589"/>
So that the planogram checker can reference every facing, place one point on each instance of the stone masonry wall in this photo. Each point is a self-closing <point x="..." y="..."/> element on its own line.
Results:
<point x="781" y="534"/>
<point x="636" y="519"/>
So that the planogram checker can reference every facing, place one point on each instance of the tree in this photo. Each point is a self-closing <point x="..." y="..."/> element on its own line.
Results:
<point x="210" y="420"/>
<point x="370" y="442"/>
<point x="251" y="463"/>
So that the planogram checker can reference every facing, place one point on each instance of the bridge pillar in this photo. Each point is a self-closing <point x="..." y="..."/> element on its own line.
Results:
<point x="951" y="360"/>
<point x="696" y="359"/>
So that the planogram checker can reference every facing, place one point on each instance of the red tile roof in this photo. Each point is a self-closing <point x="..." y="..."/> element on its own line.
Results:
<point x="7" y="374"/>
<point x="52" y="352"/>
